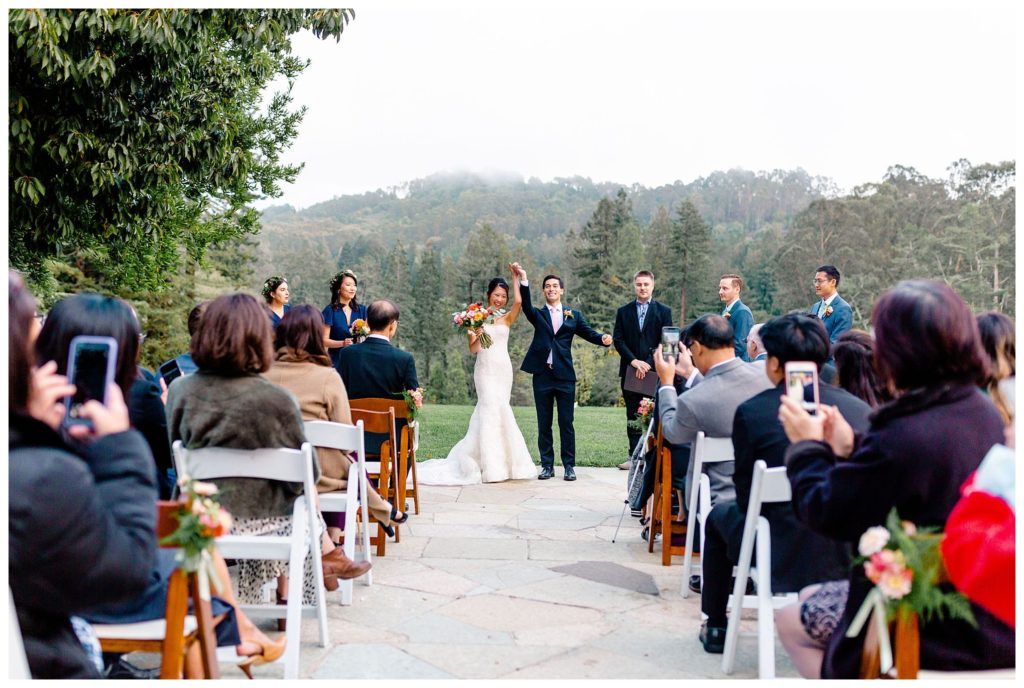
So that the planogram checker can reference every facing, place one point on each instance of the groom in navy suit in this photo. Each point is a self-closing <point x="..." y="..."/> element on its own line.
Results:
<point x="549" y="360"/>
<point x="834" y="312"/>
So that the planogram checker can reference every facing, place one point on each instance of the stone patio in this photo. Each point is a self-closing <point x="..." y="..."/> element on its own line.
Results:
<point x="519" y="580"/>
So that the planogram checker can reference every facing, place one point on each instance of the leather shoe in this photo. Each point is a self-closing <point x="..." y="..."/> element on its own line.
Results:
<point x="545" y="473"/>
<point x="624" y="466"/>
<point x="712" y="638"/>
<point x="337" y="565"/>
<point x="570" y="474"/>
<point x="694" y="584"/>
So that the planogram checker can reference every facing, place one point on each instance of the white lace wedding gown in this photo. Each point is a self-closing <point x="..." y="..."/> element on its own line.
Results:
<point x="493" y="449"/>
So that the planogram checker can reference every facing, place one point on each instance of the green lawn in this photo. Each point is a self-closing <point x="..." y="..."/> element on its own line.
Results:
<point x="600" y="433"/>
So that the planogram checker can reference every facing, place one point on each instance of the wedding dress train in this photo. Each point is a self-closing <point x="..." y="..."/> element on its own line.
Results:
<point x="493" y="449"/>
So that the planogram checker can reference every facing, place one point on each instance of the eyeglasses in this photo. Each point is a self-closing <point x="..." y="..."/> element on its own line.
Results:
<point x="822" y="281"/>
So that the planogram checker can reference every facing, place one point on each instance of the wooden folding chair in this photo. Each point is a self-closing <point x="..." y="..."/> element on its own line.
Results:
<point x="661" y="520"/>
<point x="406" y="450"/>
<point x="173" y="635"/>
<point x="380" y="466"/>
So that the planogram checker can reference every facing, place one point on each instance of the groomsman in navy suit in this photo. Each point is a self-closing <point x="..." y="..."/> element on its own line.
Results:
<point x="637" y="333"/>
<point x="738" y="315"/>
<point x="549" y="360"/>
<point x="835" y="313"/>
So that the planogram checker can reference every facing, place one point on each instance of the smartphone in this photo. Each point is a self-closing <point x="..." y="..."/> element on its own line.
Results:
<point x="669" y="342"/>
<point x="170" y="371"/>
<point x="91" y="365"/>
<point x="802" y="384"/>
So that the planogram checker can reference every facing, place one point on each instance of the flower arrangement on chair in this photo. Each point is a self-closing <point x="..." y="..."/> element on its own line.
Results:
<point x="905" y="564"/>
<point x="414" y="400"/>
<point x="201" y="520"/>
<point x="643" y="415"/>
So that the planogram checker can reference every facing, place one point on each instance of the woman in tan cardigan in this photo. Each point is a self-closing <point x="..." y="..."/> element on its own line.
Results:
<point x="302" y="366"/>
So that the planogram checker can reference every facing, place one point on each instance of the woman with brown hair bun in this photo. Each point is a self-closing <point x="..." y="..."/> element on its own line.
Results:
<point x="302" y="367"/>
<point x="228" y="403"/>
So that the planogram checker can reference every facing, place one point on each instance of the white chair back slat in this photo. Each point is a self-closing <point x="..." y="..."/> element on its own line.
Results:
<point x="705" y="450"/>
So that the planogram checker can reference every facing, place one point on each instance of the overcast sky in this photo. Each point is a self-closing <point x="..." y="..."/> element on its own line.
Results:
<point x="653" y="92"/>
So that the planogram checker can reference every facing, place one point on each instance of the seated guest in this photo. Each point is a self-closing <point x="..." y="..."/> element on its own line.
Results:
<point x="755" y="347"/>
<point x="229" y="404"/>
<point x="799" y="556"/>
<point x="999" y="340"/>
<point x="854" y="354"/>
<point x="716" y="383"/>
<point x="302" y="367"/>
<point x="95" y="315"/>
<point x="918" y="451"/>
<point x="375" y="368"/>
<point x="81" y="519"/>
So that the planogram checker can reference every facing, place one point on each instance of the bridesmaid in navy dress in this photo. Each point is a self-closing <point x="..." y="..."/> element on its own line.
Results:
<point x="275" y="293"/>
<point x="343" y="311"/>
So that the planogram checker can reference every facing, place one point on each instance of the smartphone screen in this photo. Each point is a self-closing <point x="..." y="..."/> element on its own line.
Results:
<point x="90" y="368"/>
<point x="802" y="385"/>
<point x="170" y="371"/>
<point x="669" y="342"/>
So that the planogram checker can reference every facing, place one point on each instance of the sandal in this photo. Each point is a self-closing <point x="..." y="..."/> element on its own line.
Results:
<point x="394" y="516"/>
<point x="268" y="653"/>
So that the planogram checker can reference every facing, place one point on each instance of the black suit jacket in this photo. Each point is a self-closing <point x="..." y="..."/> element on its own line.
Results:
<point x="799" y="555"/>
<point x="630" y="341"/>
<point x="375" y="368"/>
<point x="546" y="340"/>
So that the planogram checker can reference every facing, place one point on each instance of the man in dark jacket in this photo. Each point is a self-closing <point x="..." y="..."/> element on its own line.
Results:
<point x="800" y="557"/>
<point x="637" y="333"/>
<point x="375" y="368"/>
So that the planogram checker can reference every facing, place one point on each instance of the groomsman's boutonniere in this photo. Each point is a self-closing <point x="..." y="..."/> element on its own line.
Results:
<point x="828" y="311"/>
<point x="567" y="313"/>
<point x="727" y="314"/>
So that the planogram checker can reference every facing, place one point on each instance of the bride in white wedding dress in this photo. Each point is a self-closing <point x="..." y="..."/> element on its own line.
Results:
<point x="493" y="449"/>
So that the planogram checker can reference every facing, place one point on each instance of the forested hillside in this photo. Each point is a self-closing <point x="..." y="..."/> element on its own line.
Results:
<point x="432" y="244"/>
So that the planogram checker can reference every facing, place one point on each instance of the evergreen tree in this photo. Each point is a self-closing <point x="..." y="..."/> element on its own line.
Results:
<point x="428" y="330"/>
<point x="690" y="249"/>
<point x="486" y="256"/>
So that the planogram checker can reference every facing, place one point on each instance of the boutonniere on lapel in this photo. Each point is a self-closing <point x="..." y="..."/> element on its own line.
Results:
<point x="567" y="313"/>
<point x="727" y="314"/>
<point x="828" y="311"/>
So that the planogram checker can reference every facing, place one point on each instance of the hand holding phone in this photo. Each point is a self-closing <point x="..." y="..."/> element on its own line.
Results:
<point x="46" y="400"/>
<point x="802" y="384"/>
<point x="103" y="419"/>
<point x="91" y="365"/>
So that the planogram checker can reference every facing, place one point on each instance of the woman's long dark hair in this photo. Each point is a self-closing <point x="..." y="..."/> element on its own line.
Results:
<point x="854" y="354"/>
<point x="21" y="309"/>
<point x="99" y="316"/>
<point x="302" y="330"/>
<point x="336" y="283"/>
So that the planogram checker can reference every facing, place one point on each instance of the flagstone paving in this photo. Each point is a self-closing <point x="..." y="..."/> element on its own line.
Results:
<point x="519" y="580"/>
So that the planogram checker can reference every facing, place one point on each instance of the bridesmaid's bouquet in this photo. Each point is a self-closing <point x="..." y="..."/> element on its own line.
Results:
<point x="359" y="330"/>
<point x="473" y="319"/>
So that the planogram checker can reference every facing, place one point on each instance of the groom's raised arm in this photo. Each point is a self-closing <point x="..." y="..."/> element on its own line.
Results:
<point x="524" y="291"/>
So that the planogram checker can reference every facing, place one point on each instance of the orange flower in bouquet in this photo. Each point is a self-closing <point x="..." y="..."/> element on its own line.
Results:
<point x="473" y="319"/>
<point x="359" y="330"/>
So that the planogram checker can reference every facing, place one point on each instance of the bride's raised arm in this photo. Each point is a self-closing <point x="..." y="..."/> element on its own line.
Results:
<point x="517" y="298"/>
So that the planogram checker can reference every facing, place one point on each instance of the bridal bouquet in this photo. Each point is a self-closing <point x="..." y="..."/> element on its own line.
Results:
<point x="359" y="330"/>
<point x="201" y="520"/>
<point x="473" y="318"/>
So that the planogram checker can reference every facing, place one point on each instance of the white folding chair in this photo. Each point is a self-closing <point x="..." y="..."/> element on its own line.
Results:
<point x="769" y="486"/>
<point x="287" y="465"/>
<point x="705" y="450"/>
<point x="322" y="433"/>
<point x="16" y="658"/>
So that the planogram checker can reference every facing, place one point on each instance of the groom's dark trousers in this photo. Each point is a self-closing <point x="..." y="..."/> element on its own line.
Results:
<point x="547" y="393"/>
